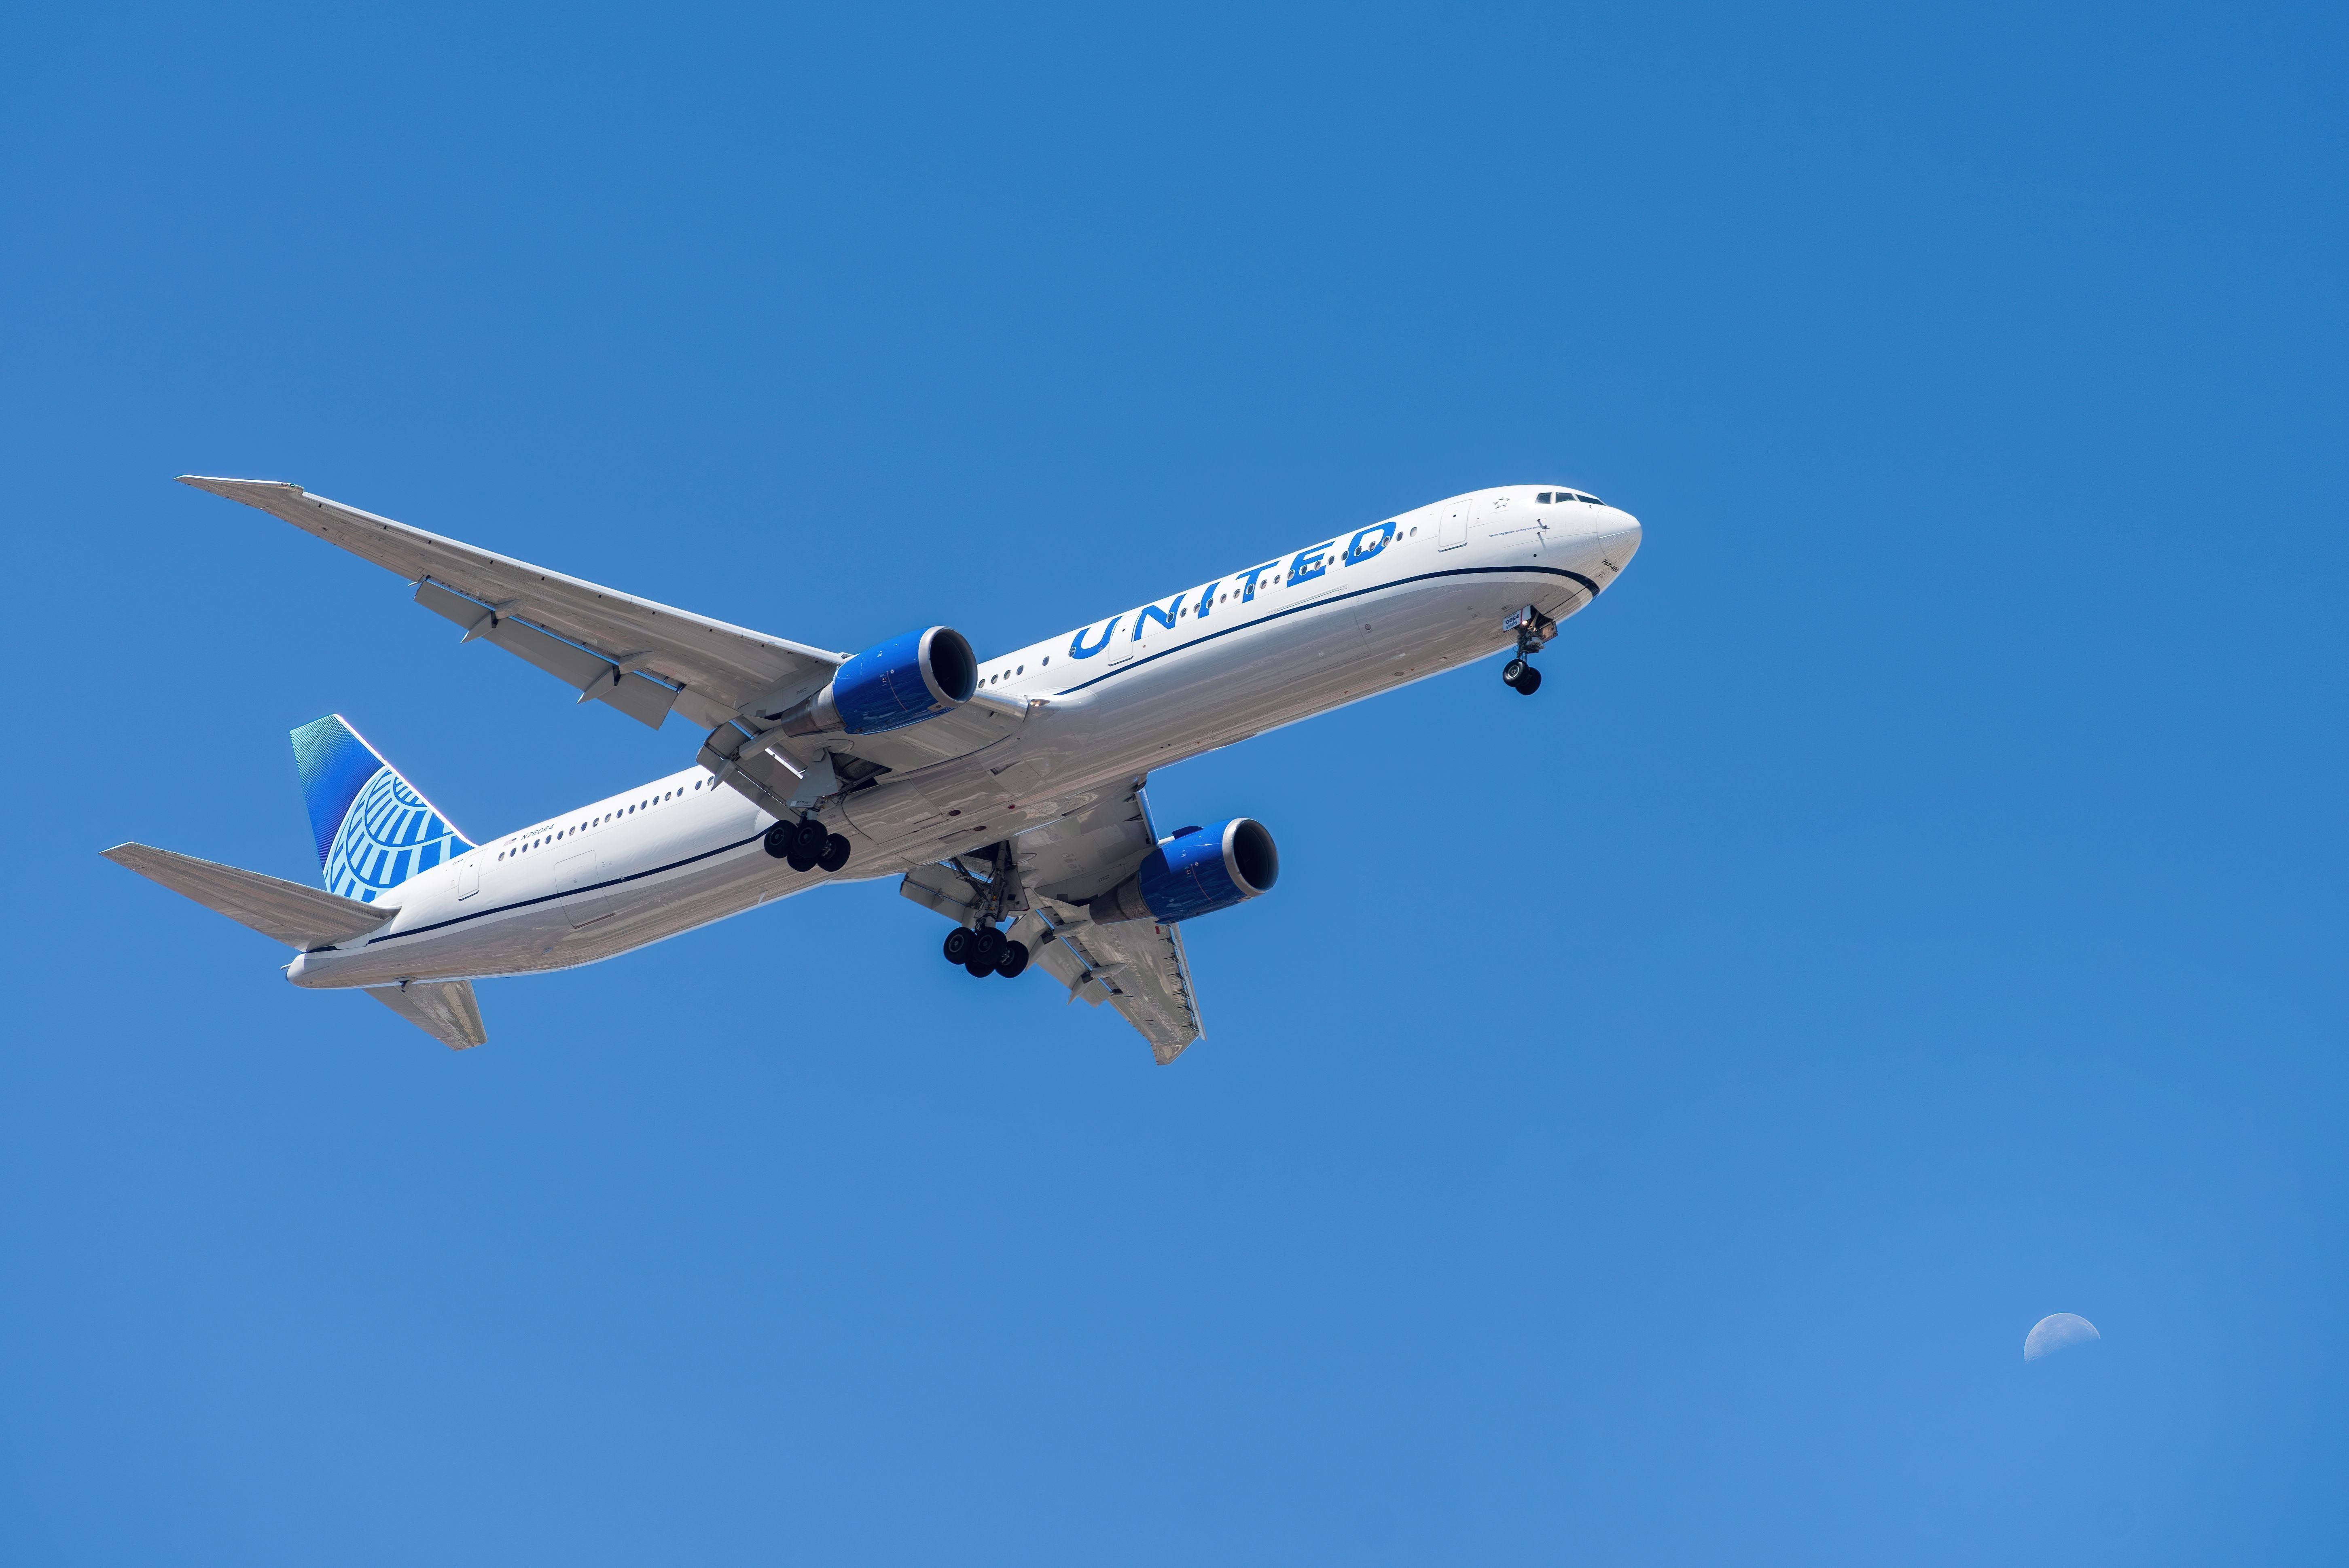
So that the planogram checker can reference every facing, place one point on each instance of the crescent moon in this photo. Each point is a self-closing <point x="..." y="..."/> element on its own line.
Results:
<point x="2057" y="1330"/>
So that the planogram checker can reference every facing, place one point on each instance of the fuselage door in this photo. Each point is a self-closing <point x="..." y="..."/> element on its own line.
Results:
<point x="1452" y="527"/>
<point x="583" y="901"/>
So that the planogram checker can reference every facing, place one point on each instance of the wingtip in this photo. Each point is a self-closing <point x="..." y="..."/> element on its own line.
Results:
<point x="235" y="489"/>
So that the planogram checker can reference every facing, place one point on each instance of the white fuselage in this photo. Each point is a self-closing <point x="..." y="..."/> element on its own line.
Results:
<point x="1084" y="713"/>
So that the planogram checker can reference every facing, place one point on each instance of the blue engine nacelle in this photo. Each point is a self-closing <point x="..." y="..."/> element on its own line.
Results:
<point x="1197" y="872"/>
<point x="890" y="685"/>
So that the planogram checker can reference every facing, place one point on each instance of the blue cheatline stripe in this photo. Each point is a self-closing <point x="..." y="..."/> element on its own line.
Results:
<point x="1331" y="600"/>
<point x="567" y="892"/>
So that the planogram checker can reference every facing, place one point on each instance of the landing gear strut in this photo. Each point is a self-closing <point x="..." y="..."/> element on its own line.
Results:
<point x="1533" y="628"/>
<point x="806" y="844"/>
<point x="982" y="947"/>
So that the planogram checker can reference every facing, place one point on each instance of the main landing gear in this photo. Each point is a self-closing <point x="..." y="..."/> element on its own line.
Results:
<point x="986" y="952"/>
<point x="1533" y="628"/>
<point x="806" y="844"/>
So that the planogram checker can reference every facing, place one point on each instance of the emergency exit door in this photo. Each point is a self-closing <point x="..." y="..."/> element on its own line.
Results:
<point x="1451" y="527"/>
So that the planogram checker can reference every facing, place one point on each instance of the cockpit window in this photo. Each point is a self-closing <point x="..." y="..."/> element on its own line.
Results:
<point x="1543" y="499"/>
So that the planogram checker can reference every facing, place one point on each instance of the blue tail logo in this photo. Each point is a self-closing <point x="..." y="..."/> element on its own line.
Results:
<point x="375" y="829"/>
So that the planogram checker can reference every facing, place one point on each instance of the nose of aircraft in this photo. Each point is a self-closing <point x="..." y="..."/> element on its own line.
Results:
<point x="1619" y="539"/>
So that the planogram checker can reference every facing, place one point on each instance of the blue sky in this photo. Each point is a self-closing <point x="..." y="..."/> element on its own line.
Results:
<point x="1645" y="1121"/>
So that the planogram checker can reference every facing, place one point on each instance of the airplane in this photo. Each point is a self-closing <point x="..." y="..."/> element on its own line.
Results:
<point x="1007" y="795"/>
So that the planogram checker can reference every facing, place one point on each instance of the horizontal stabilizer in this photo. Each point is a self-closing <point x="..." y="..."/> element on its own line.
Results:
<point x="300" y="917"/>
<point x="444" y="1009"/>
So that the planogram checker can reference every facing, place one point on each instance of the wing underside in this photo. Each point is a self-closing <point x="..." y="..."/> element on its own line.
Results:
<point x="631" y="653"/>
<point x="1138" y="967"/>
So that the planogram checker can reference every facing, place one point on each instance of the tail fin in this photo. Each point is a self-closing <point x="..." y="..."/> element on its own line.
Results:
<point x="375" y="830"/>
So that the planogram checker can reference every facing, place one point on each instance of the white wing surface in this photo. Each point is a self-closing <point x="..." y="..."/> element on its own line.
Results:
<point x="1136" y="966"/>
<point x="639" y="657"/>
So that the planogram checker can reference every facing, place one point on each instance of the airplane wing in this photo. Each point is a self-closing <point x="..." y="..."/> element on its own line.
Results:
<point x="1136" y="966"/>
<point x="637" y="655"/>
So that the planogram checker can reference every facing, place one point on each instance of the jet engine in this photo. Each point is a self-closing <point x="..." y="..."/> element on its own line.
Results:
<point x="890" y="685"/>
<point x="1197" y="872"/>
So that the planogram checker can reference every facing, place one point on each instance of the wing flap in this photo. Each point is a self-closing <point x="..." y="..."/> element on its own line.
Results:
<point x="591" y="674"/>
<point x="300" y="917"/>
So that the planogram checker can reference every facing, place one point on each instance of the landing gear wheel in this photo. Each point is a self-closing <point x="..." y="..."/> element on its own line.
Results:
<point x="779" y="839"/>
<point x="986" y="947"/>
<point x="1529" y="682"/>
<point x="804" y="842"/>
<point x="1014" y="960"/>
<point x="1514" y="671"/>
<point x="835" y="853"/>
<point x="958" y="949"/>
<point x="977" y="970"/>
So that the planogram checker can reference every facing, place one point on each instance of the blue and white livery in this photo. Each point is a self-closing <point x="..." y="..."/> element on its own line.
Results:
<point x="1005" y="793"/>
<point x="374" y="828"/>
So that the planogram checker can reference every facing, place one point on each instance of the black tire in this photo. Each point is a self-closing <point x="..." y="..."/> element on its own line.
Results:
<point x="835" y="853"/>
<point x="987" y="945"/>
<point x="1014" y="960"/>
<point x="808" y="838"/>
<point x="797" y="861"/>
<point x="958" y="949"/>
<point x="1529" y="682"/>
<point x="977" y="970"/>
<point x="1514" y="671"/>
<point x="779" y="839"/>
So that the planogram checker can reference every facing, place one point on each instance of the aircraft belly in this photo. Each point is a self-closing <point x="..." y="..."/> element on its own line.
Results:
<point x="532" y="937"/>
<point x="1294" y="666"/>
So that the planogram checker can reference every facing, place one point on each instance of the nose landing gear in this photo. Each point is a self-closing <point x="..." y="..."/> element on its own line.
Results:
<point x="1533" y="628"/>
